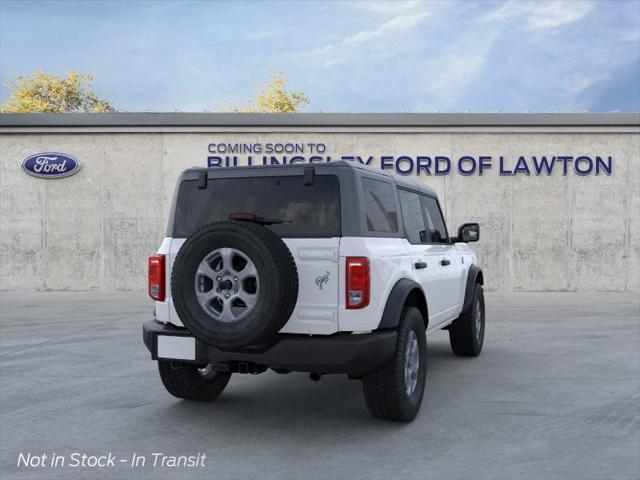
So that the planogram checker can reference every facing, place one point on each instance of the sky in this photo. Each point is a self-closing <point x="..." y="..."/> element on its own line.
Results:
<point x="352" y="56"/>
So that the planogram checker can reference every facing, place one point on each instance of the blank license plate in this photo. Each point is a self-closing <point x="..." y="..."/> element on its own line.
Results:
<point x="181" y="348"/>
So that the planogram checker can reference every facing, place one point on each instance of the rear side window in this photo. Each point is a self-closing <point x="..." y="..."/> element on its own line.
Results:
<point x="306" y="210"/>
<point x="380" y="206"/>
<point x="433" y="214"/>
<point x="412" y="217"/>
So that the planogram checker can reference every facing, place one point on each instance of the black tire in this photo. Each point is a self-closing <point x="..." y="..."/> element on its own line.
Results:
<point x="465" y="338"/>
<point x="183" y="380"/>
<point x="278" y="284"/>
<point x="385" y="389"/>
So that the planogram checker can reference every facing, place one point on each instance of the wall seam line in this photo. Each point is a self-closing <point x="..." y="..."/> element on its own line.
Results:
<point x="627" y="230"/>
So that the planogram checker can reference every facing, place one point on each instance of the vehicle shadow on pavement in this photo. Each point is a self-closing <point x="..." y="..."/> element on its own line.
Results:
<point x="292" y="401"/>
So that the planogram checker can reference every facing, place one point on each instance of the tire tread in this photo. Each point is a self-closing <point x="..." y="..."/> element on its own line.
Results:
<point x="461" y="331"/>
<point x="185" y="382"/>
<point x="384" y="388"/>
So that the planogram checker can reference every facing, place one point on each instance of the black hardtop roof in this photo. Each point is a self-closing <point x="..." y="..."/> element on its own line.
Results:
<point x="401" y="181"/>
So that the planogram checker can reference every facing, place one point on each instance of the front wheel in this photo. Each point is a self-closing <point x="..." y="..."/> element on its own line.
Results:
<point x="184" y="380"/>
<point x="466" y="333"/>
<point x="395" y="391"/>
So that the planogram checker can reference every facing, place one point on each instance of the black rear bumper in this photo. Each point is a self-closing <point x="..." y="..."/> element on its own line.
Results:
<point x="339" y="353"/>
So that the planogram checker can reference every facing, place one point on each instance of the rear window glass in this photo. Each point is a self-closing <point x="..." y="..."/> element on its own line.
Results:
<point x="306" y="210"/>
<point x="380" y="206"/>
<point x="412" y="217"/>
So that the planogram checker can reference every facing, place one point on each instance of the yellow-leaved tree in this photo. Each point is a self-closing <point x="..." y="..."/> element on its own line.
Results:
<point x="274" y="98"/>
<point x="43" y="92"/>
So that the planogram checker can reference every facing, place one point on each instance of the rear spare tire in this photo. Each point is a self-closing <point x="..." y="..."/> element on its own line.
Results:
<point x="234" y="284"/>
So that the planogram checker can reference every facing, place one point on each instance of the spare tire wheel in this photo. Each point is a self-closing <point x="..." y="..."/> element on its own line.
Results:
<point x="234" y="284"/>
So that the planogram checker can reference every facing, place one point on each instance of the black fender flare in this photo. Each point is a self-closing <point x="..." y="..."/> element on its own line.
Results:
<point x="404" y="290"/>
<point x="474" y="276"/>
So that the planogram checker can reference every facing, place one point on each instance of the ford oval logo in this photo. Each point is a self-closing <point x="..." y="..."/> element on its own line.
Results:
<point x="50" y="165"/>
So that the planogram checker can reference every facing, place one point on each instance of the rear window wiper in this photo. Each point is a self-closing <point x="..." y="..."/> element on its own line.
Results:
<point x="252" y="217"/>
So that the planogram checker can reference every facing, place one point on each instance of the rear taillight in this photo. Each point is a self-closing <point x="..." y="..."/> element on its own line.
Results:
<point x="156" y="277"/>
<point x="357" y="282"/>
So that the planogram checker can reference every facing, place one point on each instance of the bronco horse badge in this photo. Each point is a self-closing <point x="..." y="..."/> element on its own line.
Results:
<point x="322" y="280"/>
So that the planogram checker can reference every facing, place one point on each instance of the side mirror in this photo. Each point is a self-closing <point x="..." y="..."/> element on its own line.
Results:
<point x="469" y="232"/>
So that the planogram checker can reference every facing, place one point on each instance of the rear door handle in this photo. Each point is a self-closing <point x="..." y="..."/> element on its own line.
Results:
<point x="445" y="262"/>
<point x="419" y="265"/>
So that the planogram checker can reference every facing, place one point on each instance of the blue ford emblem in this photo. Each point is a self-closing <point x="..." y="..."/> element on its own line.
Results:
<point x="50" y="165"/>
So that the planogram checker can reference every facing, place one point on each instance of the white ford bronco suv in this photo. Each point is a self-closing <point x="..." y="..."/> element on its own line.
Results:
<point x="325" y="268"/>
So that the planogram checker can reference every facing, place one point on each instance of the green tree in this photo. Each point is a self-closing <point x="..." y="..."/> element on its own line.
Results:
<point x="275" y="99"/>
<point x="42" y="92"/>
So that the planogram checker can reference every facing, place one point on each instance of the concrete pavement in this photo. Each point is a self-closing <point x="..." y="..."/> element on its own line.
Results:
<point x="554" y="395"/>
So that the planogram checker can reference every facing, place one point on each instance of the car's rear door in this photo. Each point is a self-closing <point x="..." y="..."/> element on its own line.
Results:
<point x="425" y="261"/>
<point x="304" y="214"/>
<point x="316" y="310"/>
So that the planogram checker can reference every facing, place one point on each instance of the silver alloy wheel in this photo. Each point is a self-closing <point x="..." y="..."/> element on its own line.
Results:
<point x="411" y="363"/>
<point x="478" y="320"/>
<point x="227" y="285"/>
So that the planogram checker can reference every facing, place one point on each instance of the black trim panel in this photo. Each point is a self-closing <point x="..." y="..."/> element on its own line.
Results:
<point x="396" y="301"/>
<point x="472" y="279"/>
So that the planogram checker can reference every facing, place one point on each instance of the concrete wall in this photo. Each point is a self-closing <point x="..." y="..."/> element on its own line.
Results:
<point x="94" y="230"/>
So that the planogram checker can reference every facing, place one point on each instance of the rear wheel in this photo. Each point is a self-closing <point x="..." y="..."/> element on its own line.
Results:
<point x="184" y="380"/>
<point x="395" y="391"/>
<point x="466" y="333"/>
